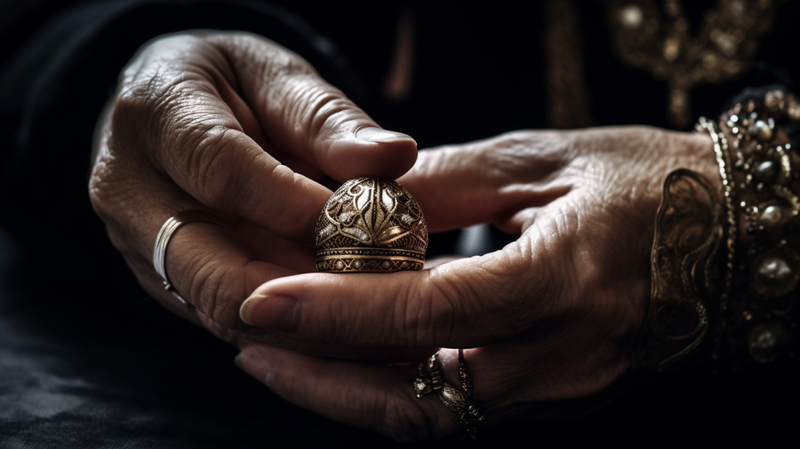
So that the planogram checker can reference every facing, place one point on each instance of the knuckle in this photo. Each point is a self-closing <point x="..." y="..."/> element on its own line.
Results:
<point x="442" y="312"/>
<point x="276" y="62"/>
<point x="219" y="292"/>
<point x="213" y="174"/>
<point x="112" y="199"/>
<point x="429" y="319"/>
<point x="98" y="195"/>
<point x="283" y="63"/>
<point x="317" y="107"/>
<point x="135" y="109"/>
<point x="155" y="107"/>
<point x="330" y="110"/>
<point x="223" y="333"/>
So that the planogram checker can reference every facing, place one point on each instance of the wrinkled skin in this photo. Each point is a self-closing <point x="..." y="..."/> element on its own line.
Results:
<point x="234" y="125"/>
<point x="549" y="317"/>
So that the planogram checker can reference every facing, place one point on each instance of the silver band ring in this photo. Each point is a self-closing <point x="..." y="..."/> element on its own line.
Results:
<point x="162" y="240"/>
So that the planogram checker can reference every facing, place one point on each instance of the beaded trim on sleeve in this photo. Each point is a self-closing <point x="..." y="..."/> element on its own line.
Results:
<point x="725" y="265"/>
<point x="760" y="323"/>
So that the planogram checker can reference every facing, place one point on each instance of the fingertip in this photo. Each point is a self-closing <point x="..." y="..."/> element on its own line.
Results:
<point x="371" y="151"/>
<point x="255" y="361"/>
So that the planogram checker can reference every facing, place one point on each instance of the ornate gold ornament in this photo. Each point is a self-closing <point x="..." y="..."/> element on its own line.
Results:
<point x="656" y="38"/>
<point x="371" y="225"/>
<point x="688" y="259"/>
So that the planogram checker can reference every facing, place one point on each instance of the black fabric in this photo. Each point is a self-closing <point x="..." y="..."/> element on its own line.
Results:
<point x="87" y="360"/>
<point x="132" y="376"/>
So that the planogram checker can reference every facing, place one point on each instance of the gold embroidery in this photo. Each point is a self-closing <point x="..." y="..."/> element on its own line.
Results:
<point x="657" y="40"/>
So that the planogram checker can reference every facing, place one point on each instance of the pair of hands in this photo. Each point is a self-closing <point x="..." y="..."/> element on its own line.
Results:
<point x="238" y="126"/>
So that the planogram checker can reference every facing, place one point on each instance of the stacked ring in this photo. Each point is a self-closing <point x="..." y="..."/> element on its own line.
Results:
<point x="430" y="379"/>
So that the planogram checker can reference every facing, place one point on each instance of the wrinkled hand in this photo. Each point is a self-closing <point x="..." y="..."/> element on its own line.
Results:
<point x="234" y="125"/>
<point x="550" y="317"/>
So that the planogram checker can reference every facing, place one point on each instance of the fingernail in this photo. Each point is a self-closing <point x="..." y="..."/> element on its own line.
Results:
<point x="258" y="367"/>
<point x="379" y="135"/>
<point x="270" y="312"/>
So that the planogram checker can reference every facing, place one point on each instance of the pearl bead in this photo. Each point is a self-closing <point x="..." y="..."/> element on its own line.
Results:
<point x="773" y="276"/>
<point x="767" y="171"/>
<point x="631" y="17"/>
<point x="768" y="341"/>
<point x="760" y="130"/>
<point x="773" y="216"/>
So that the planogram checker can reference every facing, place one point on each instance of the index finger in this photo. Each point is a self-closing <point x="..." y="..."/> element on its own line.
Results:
<point x="201" y="146"/>
<point x="182" y="106"/>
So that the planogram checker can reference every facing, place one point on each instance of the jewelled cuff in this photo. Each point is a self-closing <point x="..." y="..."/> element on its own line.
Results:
<point x="725" y="265"/>
<point x="759" y="321"/>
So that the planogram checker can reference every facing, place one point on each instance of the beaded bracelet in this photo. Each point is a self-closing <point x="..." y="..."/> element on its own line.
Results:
<point x="725" y="265"/>
<point x="760" y="322"/>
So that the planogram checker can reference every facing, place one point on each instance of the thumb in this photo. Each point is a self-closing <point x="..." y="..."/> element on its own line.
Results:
<point x="466" y="303"/>
<point x="306" y="117"/>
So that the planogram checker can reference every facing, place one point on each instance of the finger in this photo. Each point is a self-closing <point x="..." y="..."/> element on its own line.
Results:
<point x="213" y="271"/>
<point x="466" y="303"/>
<point x="487" y="181"/>
<point x="172" y="111"/>
<point x="216" y="267"/>
<point x="377" y="398"/>
<point x="213" y="267"/>
<point x="302" y="115"/>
